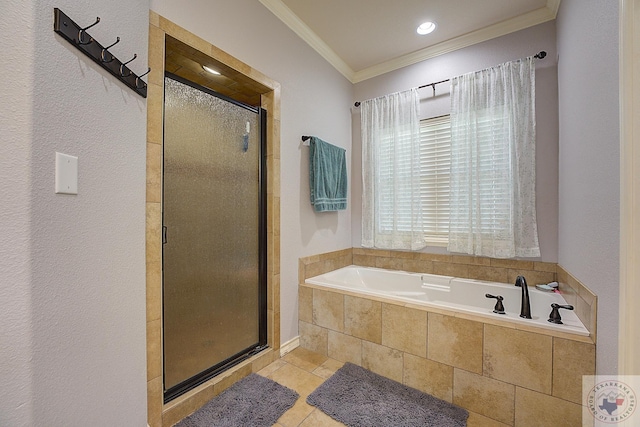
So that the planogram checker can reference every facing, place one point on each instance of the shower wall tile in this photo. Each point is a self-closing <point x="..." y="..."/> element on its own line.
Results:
<point x="518" y="357"/>
<point x="154" y="349"/>
<point x="328" y="310"/>
<point x="155" y="99"/>
<point x="488" y="397"/>
<point x="345" y="348"/>
<point x="455" y="342"/>
<point x="362" y="318"/>
<point x="261" y="360"/>
<point x="153" y="237"/>
<point x="428" y="376"/>
<point x="382" y="360"/>
<point x="156" y="61"/>
<point x="404" y="329"/>
<point x="154" y="402"/>
<point x="571" y="360"/>
<point x="154" y="291"/>
<point x="154" y="172"/>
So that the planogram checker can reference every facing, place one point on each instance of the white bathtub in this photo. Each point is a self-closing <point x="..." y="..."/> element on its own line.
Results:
<point x="457" y="294"/>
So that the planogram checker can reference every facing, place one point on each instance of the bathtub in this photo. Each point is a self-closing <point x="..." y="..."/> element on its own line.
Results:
<point x="451" y="293"/>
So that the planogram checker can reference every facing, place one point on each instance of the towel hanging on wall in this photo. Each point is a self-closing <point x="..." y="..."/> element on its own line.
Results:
<point x="327" y="176"/>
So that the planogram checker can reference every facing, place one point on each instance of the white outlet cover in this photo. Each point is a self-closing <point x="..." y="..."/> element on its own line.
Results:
<point x="66" y="174"/>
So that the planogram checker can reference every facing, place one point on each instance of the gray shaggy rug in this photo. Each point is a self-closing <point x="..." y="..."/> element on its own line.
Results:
<point x="360" y="398"/>
<point x="253" y="401"/>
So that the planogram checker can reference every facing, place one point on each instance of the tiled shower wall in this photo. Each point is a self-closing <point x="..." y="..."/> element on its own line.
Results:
<point x="504" y="374"/>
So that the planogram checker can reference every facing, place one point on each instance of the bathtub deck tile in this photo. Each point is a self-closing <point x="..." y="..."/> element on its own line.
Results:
<point x="363" y="318"/>
<point x="313" y="337"/>
<point x="547" y="411"/>
<point x="491" y="398"/>
<point x="396" y="333"/>
<point x="428" y="376"/>
<point x="518" y="357"/>
<point x="382" y="360"/>
<point x="345" y="348"/>
<point x="571" y="360"/>
<point x="328" y="309"/>
<point x="454" y="341"/>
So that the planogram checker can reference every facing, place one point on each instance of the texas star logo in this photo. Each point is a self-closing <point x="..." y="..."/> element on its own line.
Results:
<point x="611" y="401"/>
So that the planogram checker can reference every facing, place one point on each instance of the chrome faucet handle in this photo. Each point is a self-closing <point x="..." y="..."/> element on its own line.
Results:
<point x="554" y="316"/>
<point x="499" y="308"/>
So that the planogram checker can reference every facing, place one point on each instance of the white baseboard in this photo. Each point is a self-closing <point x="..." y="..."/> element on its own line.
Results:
<point x="289" y="346"/>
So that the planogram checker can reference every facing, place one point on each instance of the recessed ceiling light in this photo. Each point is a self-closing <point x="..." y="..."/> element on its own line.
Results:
<point x="211" y="70"/>
<point x="426" y="28"/>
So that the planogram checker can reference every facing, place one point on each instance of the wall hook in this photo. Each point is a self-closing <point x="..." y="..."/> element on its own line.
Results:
<point x="135" y="55"/>
<point x="78" y="36"/>
<point x="142" y="75"/>
<point x="105" y="49"/>
<point x="83" y="30"/>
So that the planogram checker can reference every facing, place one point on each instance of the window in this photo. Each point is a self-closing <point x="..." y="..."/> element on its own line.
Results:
<point x="435" y="163"/>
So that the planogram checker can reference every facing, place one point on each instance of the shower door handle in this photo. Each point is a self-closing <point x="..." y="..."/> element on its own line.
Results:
<point x="164" y="234"/>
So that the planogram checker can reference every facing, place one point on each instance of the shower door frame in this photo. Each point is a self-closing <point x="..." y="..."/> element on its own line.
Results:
<point x="204" y="376"/>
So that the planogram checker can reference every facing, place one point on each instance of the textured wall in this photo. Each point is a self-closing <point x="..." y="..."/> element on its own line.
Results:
<point x="315" y="100"/>
<point x="73" y="279"/>
<point x="589" y="222"/>
<point x="483" y="55"/>
<point x="16" y="406"/>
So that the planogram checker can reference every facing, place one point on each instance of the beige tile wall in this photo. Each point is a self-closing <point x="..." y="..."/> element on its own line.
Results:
<point x="502" y="373"/>
<point x="160" y="414"/>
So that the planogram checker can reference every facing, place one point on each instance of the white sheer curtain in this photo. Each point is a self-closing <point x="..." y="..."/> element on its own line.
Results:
<point x="391" y="206"/>
<point x="492" y="194"/>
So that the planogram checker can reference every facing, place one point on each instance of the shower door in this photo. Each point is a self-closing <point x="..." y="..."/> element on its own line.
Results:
<point x="214" y="244"/>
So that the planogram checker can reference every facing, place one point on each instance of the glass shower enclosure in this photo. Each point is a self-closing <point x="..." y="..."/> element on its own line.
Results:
<point x="214" y="234"/>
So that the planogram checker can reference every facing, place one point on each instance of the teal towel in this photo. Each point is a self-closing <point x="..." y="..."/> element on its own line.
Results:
<point x="327" y="176"/>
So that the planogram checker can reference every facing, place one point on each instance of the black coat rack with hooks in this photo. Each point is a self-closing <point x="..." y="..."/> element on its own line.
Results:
<point x="80" y="38"/>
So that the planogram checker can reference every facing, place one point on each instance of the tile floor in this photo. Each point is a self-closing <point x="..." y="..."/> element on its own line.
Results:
<point x="303" y="371"/>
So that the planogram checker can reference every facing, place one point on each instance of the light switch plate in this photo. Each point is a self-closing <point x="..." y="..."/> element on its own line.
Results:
<point x="66" y="174"/>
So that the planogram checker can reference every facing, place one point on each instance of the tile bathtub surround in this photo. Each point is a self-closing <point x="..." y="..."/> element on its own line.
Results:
<point x="471" y="267"/>
<point x="489" y="369"/>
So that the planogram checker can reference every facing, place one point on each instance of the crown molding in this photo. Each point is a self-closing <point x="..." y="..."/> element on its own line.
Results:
<point x="290" y="19"/>
<point x="535" y="17"/>
<point x="521" y="22"/>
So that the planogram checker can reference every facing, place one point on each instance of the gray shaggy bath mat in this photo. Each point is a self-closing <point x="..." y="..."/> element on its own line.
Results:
<point x="360" y="398"/>
<point x="253" y="401"/>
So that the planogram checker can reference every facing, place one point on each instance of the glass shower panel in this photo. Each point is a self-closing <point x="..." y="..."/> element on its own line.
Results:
<point x="211" y="211"/>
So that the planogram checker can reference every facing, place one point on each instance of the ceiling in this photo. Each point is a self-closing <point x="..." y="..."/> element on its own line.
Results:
<point x="366" y="38"/>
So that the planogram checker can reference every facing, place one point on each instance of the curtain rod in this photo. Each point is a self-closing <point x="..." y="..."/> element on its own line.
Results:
<point x="539" y="55"/>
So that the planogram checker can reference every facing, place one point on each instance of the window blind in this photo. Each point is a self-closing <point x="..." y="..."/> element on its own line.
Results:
<point x="435" y="162"/>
